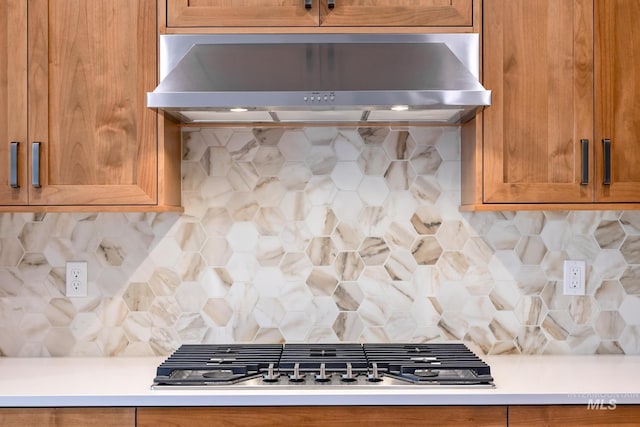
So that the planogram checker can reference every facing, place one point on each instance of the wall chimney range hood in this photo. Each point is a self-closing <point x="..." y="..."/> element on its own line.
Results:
<point x="344" y="78"/>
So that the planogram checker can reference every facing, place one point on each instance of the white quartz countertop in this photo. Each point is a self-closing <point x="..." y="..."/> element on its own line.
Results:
<point x="57" y="382"/>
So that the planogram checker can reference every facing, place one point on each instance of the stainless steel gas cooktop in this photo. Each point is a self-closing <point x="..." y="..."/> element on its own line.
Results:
<point x="322" y="366"/>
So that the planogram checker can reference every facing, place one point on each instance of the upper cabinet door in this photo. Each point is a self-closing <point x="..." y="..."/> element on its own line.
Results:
<point x="313" y="13"/>
<point x="13" y="102"/>
<point x="538" y="61"/>
<point x="90" y="64"/>
<point x="396" y="13"/>
<point x="618" y="100"/>
<point x="247" y="13"/>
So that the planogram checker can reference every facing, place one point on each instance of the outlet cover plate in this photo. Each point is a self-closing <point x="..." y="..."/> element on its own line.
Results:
<point x="574" y="277"/>
<point x="76" y="279"/>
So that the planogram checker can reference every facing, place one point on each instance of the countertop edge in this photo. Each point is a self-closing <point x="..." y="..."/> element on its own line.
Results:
<point x="314" y="400"/>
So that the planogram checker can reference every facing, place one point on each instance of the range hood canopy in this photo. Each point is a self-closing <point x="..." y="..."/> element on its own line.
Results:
<point x="320" y="78"/>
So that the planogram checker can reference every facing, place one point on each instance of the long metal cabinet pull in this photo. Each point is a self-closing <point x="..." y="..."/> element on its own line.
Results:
<point x="606" y="157"/>
<point x="331" y="4"/>
<point x="307" y="4"/>
<point x="584" y="154"/>
<point x="13" y="178"/>
<point x="35" y="164"/>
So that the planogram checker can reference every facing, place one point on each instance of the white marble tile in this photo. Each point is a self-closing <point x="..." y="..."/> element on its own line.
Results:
<point x="373" y="220"/>
<point x="400" y="326"/>
<point x="295" y="326"/>
<point x="322" y="281"/>
<point x="400" y="206"/>
<point x="269" y="191"/>
<point x="60" y="342"/>
<point x="453" y="325"/>
<point x="242" y="176"/>
<point x="321" y="160"/>
<point x="400" y="234"/>
<point x="269" y="312"/>
<point x="373" y="160"/>
<point x="348" y="296"/>
<point x="399" y="176"/>
<point x="269" y="221"/>
<point x="630" y="309"/>
<point x="217" y="311"/>
<point x="348" y="326"/>
<point x="242" y="145"/>
<point x="294" y="145"/>
<point x="531" y="340"/>
<point x="295" y="266"/>
<point x="267" y="281"/>
<point x="324" y="311"/>
<point x="401" y="265"/>
<point x="347" y="206"/>
<point x="295" y="176"/>
<point x="269" y="251"/>
<point x="268" y="160"/>
<point x="399" y="144"/>
<point x="319" y="234"/>
<point x="347" y="176"/>
<point x="373" y="190"/>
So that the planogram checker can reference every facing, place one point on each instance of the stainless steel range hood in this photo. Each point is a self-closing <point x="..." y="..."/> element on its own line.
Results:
<point x="320" y="78"/>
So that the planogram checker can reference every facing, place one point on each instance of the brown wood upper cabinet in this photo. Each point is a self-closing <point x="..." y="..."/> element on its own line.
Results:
<point x="563" y="76"/>
<point x="13" y="102"/>
<point x="313" y="13"/>
<point x="74" y="127"/>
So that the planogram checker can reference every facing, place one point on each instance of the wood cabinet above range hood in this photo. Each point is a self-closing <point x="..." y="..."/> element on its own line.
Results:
<point x="430" y="78"/>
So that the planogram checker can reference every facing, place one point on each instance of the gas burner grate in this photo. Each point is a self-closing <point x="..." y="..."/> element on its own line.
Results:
<point x="335" y="364"/>
<point x="335" y="357"/>
<point x="449" y="362"/>
<point x="240" y="359"/>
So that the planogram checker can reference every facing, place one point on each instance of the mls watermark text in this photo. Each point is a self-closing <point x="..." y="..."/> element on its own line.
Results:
<point x="604" y="401"/>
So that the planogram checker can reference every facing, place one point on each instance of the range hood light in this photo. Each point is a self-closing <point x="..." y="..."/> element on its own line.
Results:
<point x="238" y="110"/>
<point x="400" y="107"/>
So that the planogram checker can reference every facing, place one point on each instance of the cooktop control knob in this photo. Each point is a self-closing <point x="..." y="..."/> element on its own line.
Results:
<point x="322" y="377"/>
<point x="296" y="377"/>
<point x="270" y="376"/>
<point x="374" y="376"/>
<point x="348" y="376"/>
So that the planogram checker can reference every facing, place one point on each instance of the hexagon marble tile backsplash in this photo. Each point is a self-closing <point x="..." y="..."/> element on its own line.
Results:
<point x="319" y="234"/>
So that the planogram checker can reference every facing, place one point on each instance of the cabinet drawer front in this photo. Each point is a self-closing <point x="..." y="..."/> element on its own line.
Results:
<point x="55" y="417"/>
<point x="397" y="13"/>
<point x="241" y="13"/>
<point x="345" y="13"/>
<point x="320" y="416"/>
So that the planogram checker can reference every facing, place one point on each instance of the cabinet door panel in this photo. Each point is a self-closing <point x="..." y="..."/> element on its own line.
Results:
<point x="67" y="417"/>
<point x="90" y="64"/>
<point x="336" y="416"/>
<point x="13" y="99"/>
<point x="397" y="13"/>
<point x="574" y="416"/>
<point x="241" y="13"/>
<point x="618" y="97"/>
<point x="538" y="60"/>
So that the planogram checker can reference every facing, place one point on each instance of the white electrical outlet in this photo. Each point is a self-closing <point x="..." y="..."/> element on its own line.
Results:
<point x="76" y="279"/>
<point x="574" y="277"/>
